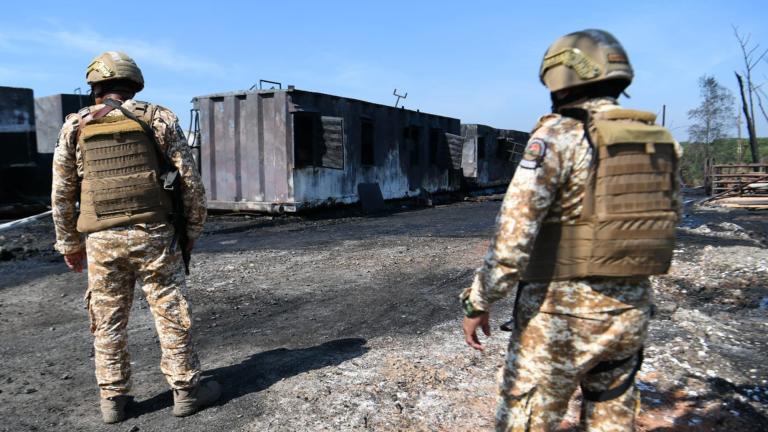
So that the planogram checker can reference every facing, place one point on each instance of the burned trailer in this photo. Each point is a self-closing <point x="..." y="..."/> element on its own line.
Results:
<point x="29" y="130"/>
<point x="17" y="140"/>
<point x="287" y="150"/>
<point x="490" y="156"/>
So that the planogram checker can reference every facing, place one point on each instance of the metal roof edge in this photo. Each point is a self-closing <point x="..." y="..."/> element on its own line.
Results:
<point x="295" y="90"/>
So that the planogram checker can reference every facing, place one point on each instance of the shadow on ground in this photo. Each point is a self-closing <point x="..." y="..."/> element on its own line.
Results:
<point x="261" y="370"/>
<point x="721" y="407"/>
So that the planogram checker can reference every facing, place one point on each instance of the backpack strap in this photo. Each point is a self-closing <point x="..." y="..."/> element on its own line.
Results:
<point x="89" y="117"/>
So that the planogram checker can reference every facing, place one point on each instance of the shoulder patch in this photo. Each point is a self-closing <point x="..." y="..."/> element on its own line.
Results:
<point x="533" y="154"/>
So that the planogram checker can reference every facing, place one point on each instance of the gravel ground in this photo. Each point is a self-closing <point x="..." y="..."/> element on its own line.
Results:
<point x="350" y="323"/>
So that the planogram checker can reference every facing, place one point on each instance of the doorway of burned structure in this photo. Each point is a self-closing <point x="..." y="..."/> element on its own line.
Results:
<point x="367" y="142"/>
<point x="412" y="135"/>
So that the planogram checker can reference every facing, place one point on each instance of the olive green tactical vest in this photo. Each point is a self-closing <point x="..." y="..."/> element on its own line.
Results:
<point x="627" y="225"/>
<point x="120" y="184"/>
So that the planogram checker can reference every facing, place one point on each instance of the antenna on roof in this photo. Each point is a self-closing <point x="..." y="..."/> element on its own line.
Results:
<point x="261" y="85"/>
<point x="399" y="97"/>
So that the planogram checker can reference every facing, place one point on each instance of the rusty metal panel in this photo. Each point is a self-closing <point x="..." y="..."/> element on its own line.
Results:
<point x="277" y="145"/>
<point x="243" y="151"/>
<point x="252" y="150"/>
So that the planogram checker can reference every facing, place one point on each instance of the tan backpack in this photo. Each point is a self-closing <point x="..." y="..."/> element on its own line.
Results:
<point x="121" y="181"/>
<point x="627" y="225"/>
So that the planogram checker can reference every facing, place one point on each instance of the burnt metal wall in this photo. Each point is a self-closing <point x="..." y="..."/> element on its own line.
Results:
<point x="17" y="141"/>
<point x="410" y="151"/>
<point x="245" y="153"/>
<point x="490" y="155"/>
<point x="249" y="157"/>
<point x="17" y="126"/>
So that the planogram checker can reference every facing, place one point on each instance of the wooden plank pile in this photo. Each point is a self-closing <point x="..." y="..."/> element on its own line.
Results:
<point x="739" y="185"/>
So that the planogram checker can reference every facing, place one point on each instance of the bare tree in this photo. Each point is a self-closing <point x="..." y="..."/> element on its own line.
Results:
<point x="751" y="59"/>
<point x="713" y="118"/>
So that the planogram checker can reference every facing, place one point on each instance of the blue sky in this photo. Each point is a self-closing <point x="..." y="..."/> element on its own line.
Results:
<point x="477" y="61"/>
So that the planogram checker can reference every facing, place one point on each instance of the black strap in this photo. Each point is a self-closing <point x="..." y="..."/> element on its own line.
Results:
<point x="602" y="396"/>
<point x="585" y="117"/>
<point x="510" y="325"/>
<point x="147" y="130"/>
<point x="609" y="365"/>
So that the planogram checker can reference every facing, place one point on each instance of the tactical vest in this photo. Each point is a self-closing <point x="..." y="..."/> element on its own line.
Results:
<point x="628" y="219"/>
<point x="120" y="184"/>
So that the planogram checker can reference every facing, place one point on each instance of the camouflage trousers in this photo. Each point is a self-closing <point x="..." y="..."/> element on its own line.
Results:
<point x="117" y="259"/>
<point x="550" y="355"/>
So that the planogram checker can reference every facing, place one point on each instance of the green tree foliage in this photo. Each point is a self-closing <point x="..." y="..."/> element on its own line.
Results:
<point x="710" y="123"/>
<point x="714" y="117"/>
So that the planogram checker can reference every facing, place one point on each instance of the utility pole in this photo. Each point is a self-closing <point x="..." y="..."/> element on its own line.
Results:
<point x="664" y="115"/>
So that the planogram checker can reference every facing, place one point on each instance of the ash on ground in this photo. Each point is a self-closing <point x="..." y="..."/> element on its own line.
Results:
<point x="352" y="323"/>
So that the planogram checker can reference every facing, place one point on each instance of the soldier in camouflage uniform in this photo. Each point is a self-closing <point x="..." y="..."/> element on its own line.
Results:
<point x="106" y="162"/>
<point x="588" y="216"/>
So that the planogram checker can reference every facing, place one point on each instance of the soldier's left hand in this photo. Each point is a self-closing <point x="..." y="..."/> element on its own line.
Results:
<point x="470" y="326"/>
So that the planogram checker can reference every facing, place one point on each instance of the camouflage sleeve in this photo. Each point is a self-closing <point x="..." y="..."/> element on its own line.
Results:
<point x="526" y="203"/>
<point x="171" y="137"/>
<point x="64" y="189"/>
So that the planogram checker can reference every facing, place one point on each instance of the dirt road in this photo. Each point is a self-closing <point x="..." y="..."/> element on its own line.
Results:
<point x="352" y="323"/>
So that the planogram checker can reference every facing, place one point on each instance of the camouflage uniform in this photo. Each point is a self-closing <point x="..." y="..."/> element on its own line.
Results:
<point x="563" y="329"/>
<point x="118" y="257"/>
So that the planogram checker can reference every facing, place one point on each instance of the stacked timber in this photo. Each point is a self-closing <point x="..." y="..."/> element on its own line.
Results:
<point x="740" y="185"/>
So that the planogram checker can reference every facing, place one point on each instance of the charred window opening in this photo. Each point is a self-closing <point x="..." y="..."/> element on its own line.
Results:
<point x="318" y="141"/>
<point x="331" y="152"/>
<point x="435" y="135"/>
<point x="503" y="151"/>
<point x="480" y="148"/>
<point x="413" y="138"/>
<point x="304" y="134"/>
<point x="367" y="156"/>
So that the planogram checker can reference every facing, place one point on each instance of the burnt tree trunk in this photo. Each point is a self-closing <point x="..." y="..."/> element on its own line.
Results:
<point x="750" y="122"/>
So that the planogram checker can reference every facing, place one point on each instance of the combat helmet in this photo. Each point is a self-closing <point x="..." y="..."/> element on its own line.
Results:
<point x="114" y="65"/>
<point x="585" y="57"/>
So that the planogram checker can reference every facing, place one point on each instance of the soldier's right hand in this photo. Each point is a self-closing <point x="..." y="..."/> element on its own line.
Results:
<point x="470" y="326"/>
<point x="75" y="261"/>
